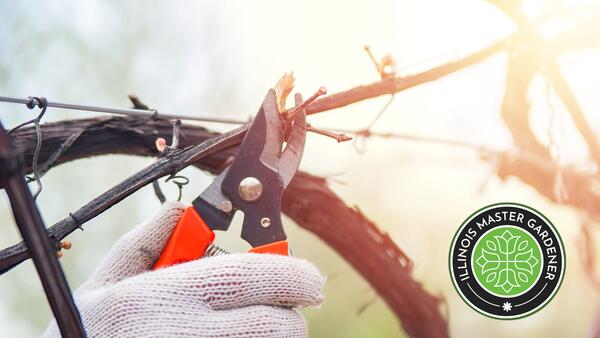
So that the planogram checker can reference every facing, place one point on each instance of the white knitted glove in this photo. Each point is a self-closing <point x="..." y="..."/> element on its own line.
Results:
<point x="237" y="295"/>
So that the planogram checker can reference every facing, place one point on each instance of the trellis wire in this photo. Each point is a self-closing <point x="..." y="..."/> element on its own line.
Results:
<point x="120" y="111"/>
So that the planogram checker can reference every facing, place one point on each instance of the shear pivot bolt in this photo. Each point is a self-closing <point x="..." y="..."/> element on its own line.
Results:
<point x="250" y="189"/>
<point x="265" y="222"/>
<point x="226" y="206"/>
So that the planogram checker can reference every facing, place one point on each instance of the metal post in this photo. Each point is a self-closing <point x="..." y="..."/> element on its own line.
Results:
<point x="33" y="231"/>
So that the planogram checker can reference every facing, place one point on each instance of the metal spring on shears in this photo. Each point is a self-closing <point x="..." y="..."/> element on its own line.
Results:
<point x="213" y="250"/>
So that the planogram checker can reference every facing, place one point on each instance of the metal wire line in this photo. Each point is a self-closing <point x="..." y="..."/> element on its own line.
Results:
<point x="121" y="111"/>
<point x="151" y="112"/>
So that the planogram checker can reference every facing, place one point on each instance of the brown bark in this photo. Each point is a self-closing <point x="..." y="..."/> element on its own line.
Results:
<point x="400" y="83"/>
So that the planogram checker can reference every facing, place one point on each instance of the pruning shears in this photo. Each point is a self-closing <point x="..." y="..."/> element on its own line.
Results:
<point x="253" y="183"/>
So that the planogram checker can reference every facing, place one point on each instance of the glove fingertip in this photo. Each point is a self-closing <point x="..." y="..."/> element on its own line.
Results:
<point x="152" y="236"/>
<point x="313" y="282"/>
<point x="163" y="222"/>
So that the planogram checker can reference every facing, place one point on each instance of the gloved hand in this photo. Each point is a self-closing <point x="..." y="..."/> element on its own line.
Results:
<point x="236" y="295"/>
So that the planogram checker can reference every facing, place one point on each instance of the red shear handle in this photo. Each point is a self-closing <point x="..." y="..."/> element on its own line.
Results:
<point x="188" y="241"/>
<point x="279" y="248"/>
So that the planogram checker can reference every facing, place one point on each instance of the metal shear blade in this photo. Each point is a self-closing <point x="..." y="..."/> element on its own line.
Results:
<point x="292" y="155"/>
<point x="255" y="181"/>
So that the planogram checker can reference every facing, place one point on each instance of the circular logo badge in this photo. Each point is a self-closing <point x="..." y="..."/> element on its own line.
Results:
<point x="507" y="261"/>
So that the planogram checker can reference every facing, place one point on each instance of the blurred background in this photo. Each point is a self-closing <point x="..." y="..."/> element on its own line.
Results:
<point x="210" y="58"/>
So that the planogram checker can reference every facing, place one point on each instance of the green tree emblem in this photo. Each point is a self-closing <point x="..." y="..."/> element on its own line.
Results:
<point x="507" y="261"/>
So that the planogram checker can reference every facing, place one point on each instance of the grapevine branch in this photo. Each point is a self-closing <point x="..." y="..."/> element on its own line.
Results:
<point x="537" y="45"/>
